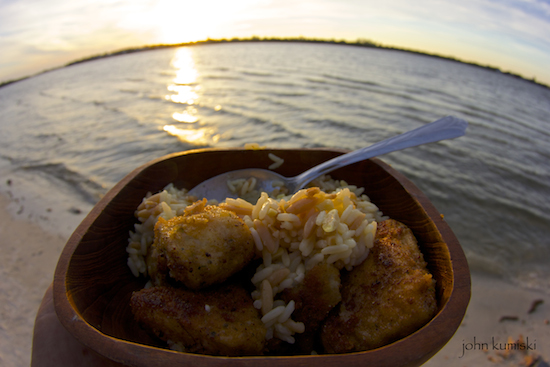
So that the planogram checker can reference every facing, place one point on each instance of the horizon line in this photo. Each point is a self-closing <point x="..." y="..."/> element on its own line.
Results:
<point x="360" y="42"/>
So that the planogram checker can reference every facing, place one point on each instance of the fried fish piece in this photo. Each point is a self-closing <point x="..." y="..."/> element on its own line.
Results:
<point x="204" y="246"/>
<point x="216" y="321"/>
<point x="389" y="296"/>
<point x="314" y="298"/>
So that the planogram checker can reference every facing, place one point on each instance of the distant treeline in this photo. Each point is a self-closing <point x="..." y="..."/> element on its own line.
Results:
<point x="361" y="42"/>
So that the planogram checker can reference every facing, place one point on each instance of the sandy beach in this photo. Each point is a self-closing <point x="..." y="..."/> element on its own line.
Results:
<point x="500" y="315"/>
<point x="504" y="326"/>
<point x="29" y="258"/>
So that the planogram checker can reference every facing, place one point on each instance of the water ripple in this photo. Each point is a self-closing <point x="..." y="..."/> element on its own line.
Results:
<point x="88" y="125"/>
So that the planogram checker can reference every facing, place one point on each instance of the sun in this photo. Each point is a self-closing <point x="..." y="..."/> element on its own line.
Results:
<point x="179" y="21"/>
<point x="185" y="21"/>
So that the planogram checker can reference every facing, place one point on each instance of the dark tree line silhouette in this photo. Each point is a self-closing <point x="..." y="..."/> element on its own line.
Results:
<point x="360" y="42"/>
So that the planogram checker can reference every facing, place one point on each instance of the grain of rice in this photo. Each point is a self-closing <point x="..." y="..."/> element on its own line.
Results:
<point x="309" y="225"/>
<point x="244" y="188"/>
<point x="263" y="211"/>
<point x="300" y="269"/>
<point x="287" y="283"/>
<point x="261" y="274"/>
<point x="278" y="276"/>
<point x="301" y="205"/>
<point x="248" y="221"/>
<point x="267" y="258"/>
<point x="277" y="161"/>
<point x="369" y="240"/>
<point x="288" y="339"/>
<point x="296" y="327"/>
<point x="299" y="278"/>
<point x="320" y="218"/>
<point x="345" y="214"/>
<point x="285" y="258"/>
<point x="341" y="228"/>
<point x="131" y="249"/>
<point x="289" y="217"/>
<point x="238" y="202"/>
<point x="314" y="260"/>
<point x="338" y="256"/>
<point x="259" y="205"/>
<point x="294" y="263"/>
<point x="257" y="239"/>
<point x="166" y="209"/>
<point x="267" y="240"/>
<point x="330" y="221"/>
<point x="359" y="218"/>
<point x="271" y="213"/>
<point x="306" y="246"/>
<point x="350" y="242"/>
<point x="362" y="227"/>
<point x="231" y="185"/>
<point x="348" y="234"/>
<point x="336" y="249"/>
<point x="287" y="225"/>
<point x="267" y="297"/>
<point x="289" y="309"/>
<point x="273" y="314"/>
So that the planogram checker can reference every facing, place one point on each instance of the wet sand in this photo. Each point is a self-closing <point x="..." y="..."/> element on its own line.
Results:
<point x="499" y="314"/>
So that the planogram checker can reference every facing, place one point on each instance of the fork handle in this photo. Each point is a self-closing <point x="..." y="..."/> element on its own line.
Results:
<point x="448" y="127"/>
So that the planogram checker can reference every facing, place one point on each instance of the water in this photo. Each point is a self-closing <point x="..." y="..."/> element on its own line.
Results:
<point x="70" y="134"/>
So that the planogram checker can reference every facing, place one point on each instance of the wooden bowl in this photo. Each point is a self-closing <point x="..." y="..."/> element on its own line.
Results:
<point x="93" y="284"/>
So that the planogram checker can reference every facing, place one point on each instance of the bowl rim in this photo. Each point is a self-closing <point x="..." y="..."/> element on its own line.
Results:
<point x="133" y="354"/>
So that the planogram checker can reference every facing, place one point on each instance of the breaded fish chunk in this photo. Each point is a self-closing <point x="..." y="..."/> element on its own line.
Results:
<point x="389" y="296"/>
<point x="205" y="246"/>
<point x="217" y="321"/>
<point x="314" y="298"/>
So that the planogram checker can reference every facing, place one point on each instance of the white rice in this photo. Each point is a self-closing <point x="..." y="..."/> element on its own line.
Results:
<point x="291" y="234"/>
<point x="277" y="161"/>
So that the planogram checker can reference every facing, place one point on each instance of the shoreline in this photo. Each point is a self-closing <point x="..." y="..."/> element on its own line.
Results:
<point x="357" y="43"/>
<point x="499" y="312"/>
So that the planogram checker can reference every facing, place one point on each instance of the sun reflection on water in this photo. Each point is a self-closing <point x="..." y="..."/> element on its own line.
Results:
<point x="185" y="117"/>
<point x="202" y="136"/>
<point x="184" y="90"/>
<point x="184" y="64"/>
<point x="185" y="94"/>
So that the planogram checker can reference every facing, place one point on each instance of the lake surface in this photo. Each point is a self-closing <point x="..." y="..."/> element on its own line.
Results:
<point x="69" y="135"/>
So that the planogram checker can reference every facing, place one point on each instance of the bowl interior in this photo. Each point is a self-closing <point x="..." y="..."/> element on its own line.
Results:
<point x="93" y="285"/>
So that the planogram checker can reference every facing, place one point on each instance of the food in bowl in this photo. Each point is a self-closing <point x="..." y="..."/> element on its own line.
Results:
<point x="309" y="251"/>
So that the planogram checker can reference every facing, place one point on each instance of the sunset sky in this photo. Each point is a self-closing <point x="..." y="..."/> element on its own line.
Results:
<point x="513" y="35"/>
